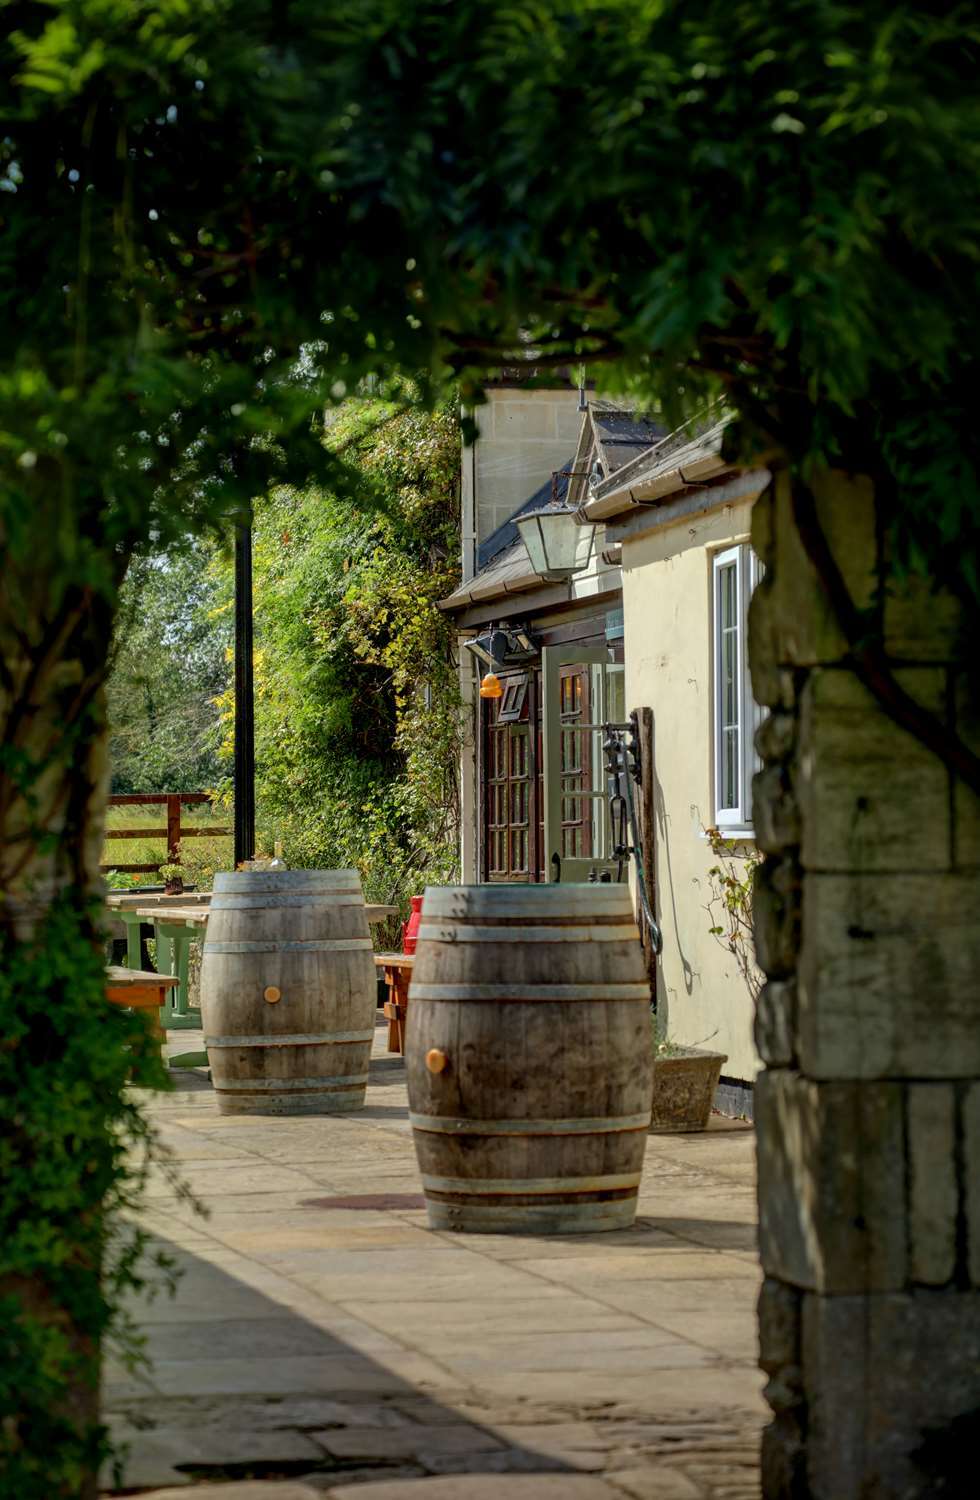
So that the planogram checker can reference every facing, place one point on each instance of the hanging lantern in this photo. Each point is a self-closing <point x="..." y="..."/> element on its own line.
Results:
<point x="490" y="686"/>
<point x="558" y="543"/>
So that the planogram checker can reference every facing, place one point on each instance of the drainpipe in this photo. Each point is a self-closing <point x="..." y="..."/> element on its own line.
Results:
<point x="468" y="507"/>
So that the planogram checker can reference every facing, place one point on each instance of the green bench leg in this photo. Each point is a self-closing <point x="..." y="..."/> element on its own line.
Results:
<point x="133" y="951"/>
<point x="173" y="957"/>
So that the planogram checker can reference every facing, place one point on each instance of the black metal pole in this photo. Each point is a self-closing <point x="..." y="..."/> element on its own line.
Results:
<point x="244" y="701"/>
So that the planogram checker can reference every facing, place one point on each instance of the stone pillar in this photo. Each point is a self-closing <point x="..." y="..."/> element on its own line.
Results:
<point x="867" y="918"/>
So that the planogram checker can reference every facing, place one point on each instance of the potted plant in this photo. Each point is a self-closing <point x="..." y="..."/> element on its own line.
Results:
<point x="685" y="1078"/>
<point x="684" y="1083"/>
<point x="173" y="879"/>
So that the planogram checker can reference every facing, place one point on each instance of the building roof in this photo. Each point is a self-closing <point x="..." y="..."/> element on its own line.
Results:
<point x="689" y="455"/>
<point x="622" y="435"/>
<point x="509" y="573"/>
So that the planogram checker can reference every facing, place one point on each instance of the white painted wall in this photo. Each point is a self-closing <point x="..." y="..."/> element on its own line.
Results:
<point x="667" y="584"/>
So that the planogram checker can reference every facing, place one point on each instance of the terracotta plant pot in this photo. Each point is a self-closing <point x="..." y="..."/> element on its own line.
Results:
<point x="684" y="1083"/>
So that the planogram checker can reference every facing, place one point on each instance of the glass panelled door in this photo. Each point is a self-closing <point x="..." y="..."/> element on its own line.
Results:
<point x="574" y="763"/>
<point x="508" y="797"/>
<point x="581" y="690"/>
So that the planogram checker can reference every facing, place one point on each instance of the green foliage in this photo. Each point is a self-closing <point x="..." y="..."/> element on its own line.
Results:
<point x="357" y="712"/>
<point x="169" y="666"/>
<point x="705" y="196"/>
<point x="74" y="1153"/>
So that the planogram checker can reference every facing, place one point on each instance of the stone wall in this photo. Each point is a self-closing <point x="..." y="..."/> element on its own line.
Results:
<point x="868" y="1112"/>
<point x="524" y="435"/>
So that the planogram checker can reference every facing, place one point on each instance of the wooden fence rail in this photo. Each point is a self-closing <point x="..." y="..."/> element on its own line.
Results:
<point x="173" y="832"/>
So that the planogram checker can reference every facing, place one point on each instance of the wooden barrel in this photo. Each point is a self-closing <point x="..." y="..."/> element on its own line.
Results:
<point x="288" y="992"/>
<point x="529" y="1058"/>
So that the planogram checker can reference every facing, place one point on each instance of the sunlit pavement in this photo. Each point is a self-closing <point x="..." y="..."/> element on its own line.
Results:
<point x="317" y="1345"/>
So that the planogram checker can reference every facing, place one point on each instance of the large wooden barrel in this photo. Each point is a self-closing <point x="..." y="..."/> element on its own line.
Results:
<point x="529" y="1058"/>
<point x="288" y="992"/>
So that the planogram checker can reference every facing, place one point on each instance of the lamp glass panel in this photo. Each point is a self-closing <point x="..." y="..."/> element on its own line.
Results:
<point x="559" y="532"/>
<point x="479" y="647"/>
<point x="556" y="543"/>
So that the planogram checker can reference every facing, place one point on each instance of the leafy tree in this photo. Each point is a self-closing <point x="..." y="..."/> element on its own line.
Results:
<point x="357" y="718"/>
<point x="169" y="666"/>
<point x="214" y="218"/>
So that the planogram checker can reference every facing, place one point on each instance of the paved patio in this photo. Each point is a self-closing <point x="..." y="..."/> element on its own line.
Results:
<point x="322" y="1339"/>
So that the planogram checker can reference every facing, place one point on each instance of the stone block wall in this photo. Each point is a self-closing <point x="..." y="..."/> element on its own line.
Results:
<point x="867" y="918"/>
<point x="524" y="435"/>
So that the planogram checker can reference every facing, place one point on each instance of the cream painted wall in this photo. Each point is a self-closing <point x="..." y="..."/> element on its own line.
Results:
<point x="667" y="616"/>
<point x="523" y="437"/>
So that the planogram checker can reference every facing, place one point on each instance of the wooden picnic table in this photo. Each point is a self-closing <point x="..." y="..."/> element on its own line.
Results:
<point x="397" y="968"/>
<point x="174" y="928"/>
<point x="154" y="898"/>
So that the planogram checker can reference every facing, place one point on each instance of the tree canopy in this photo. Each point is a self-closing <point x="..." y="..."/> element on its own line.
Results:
<point x="356" y="697"/>
<point x="169" y="666"/>
<point x="780" y="203"/>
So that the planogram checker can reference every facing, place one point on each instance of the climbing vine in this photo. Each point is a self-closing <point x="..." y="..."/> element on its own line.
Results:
<point x="729" y="905"/>
<point x="75" y="1150"/>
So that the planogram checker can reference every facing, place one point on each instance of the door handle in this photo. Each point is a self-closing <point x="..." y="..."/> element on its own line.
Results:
<point x="556" y="866"/>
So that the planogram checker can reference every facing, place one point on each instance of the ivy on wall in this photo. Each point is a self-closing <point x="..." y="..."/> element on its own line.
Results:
<point x="75" y="1150"/>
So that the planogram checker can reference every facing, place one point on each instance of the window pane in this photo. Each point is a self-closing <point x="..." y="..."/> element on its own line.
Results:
<point x="728" y="600"/>
<point x="729" y="728"/>
<point x="729" y="681"/>
<point x="615" y="695"/>
<point x="729" y="780"/>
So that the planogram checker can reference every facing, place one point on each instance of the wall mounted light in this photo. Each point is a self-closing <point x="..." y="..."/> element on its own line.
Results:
<point x="480" y="646"/>
<point x="503" y="645"/>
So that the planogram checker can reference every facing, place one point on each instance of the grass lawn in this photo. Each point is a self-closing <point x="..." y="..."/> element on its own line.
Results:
<point x="200" y="855"/>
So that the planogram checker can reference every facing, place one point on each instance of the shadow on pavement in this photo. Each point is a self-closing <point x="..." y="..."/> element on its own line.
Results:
<point x="241" y="1385"/>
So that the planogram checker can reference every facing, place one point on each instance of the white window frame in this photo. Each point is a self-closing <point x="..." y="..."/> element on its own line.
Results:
<point x="748" y="570"/>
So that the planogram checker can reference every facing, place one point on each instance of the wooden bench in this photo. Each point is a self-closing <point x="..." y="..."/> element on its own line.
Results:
<point x="397" y="969"/>
<point x="142" y="990"/>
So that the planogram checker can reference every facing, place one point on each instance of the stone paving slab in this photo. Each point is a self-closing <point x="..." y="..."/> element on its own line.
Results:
<point x="250" y="1490"/>
<point x="318" y="1349"/>
<point x="482" y="1487"/>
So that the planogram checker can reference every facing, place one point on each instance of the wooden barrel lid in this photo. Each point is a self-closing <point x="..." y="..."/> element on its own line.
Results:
<point x="558" y="902"/>
<point x="285" y="882"/>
